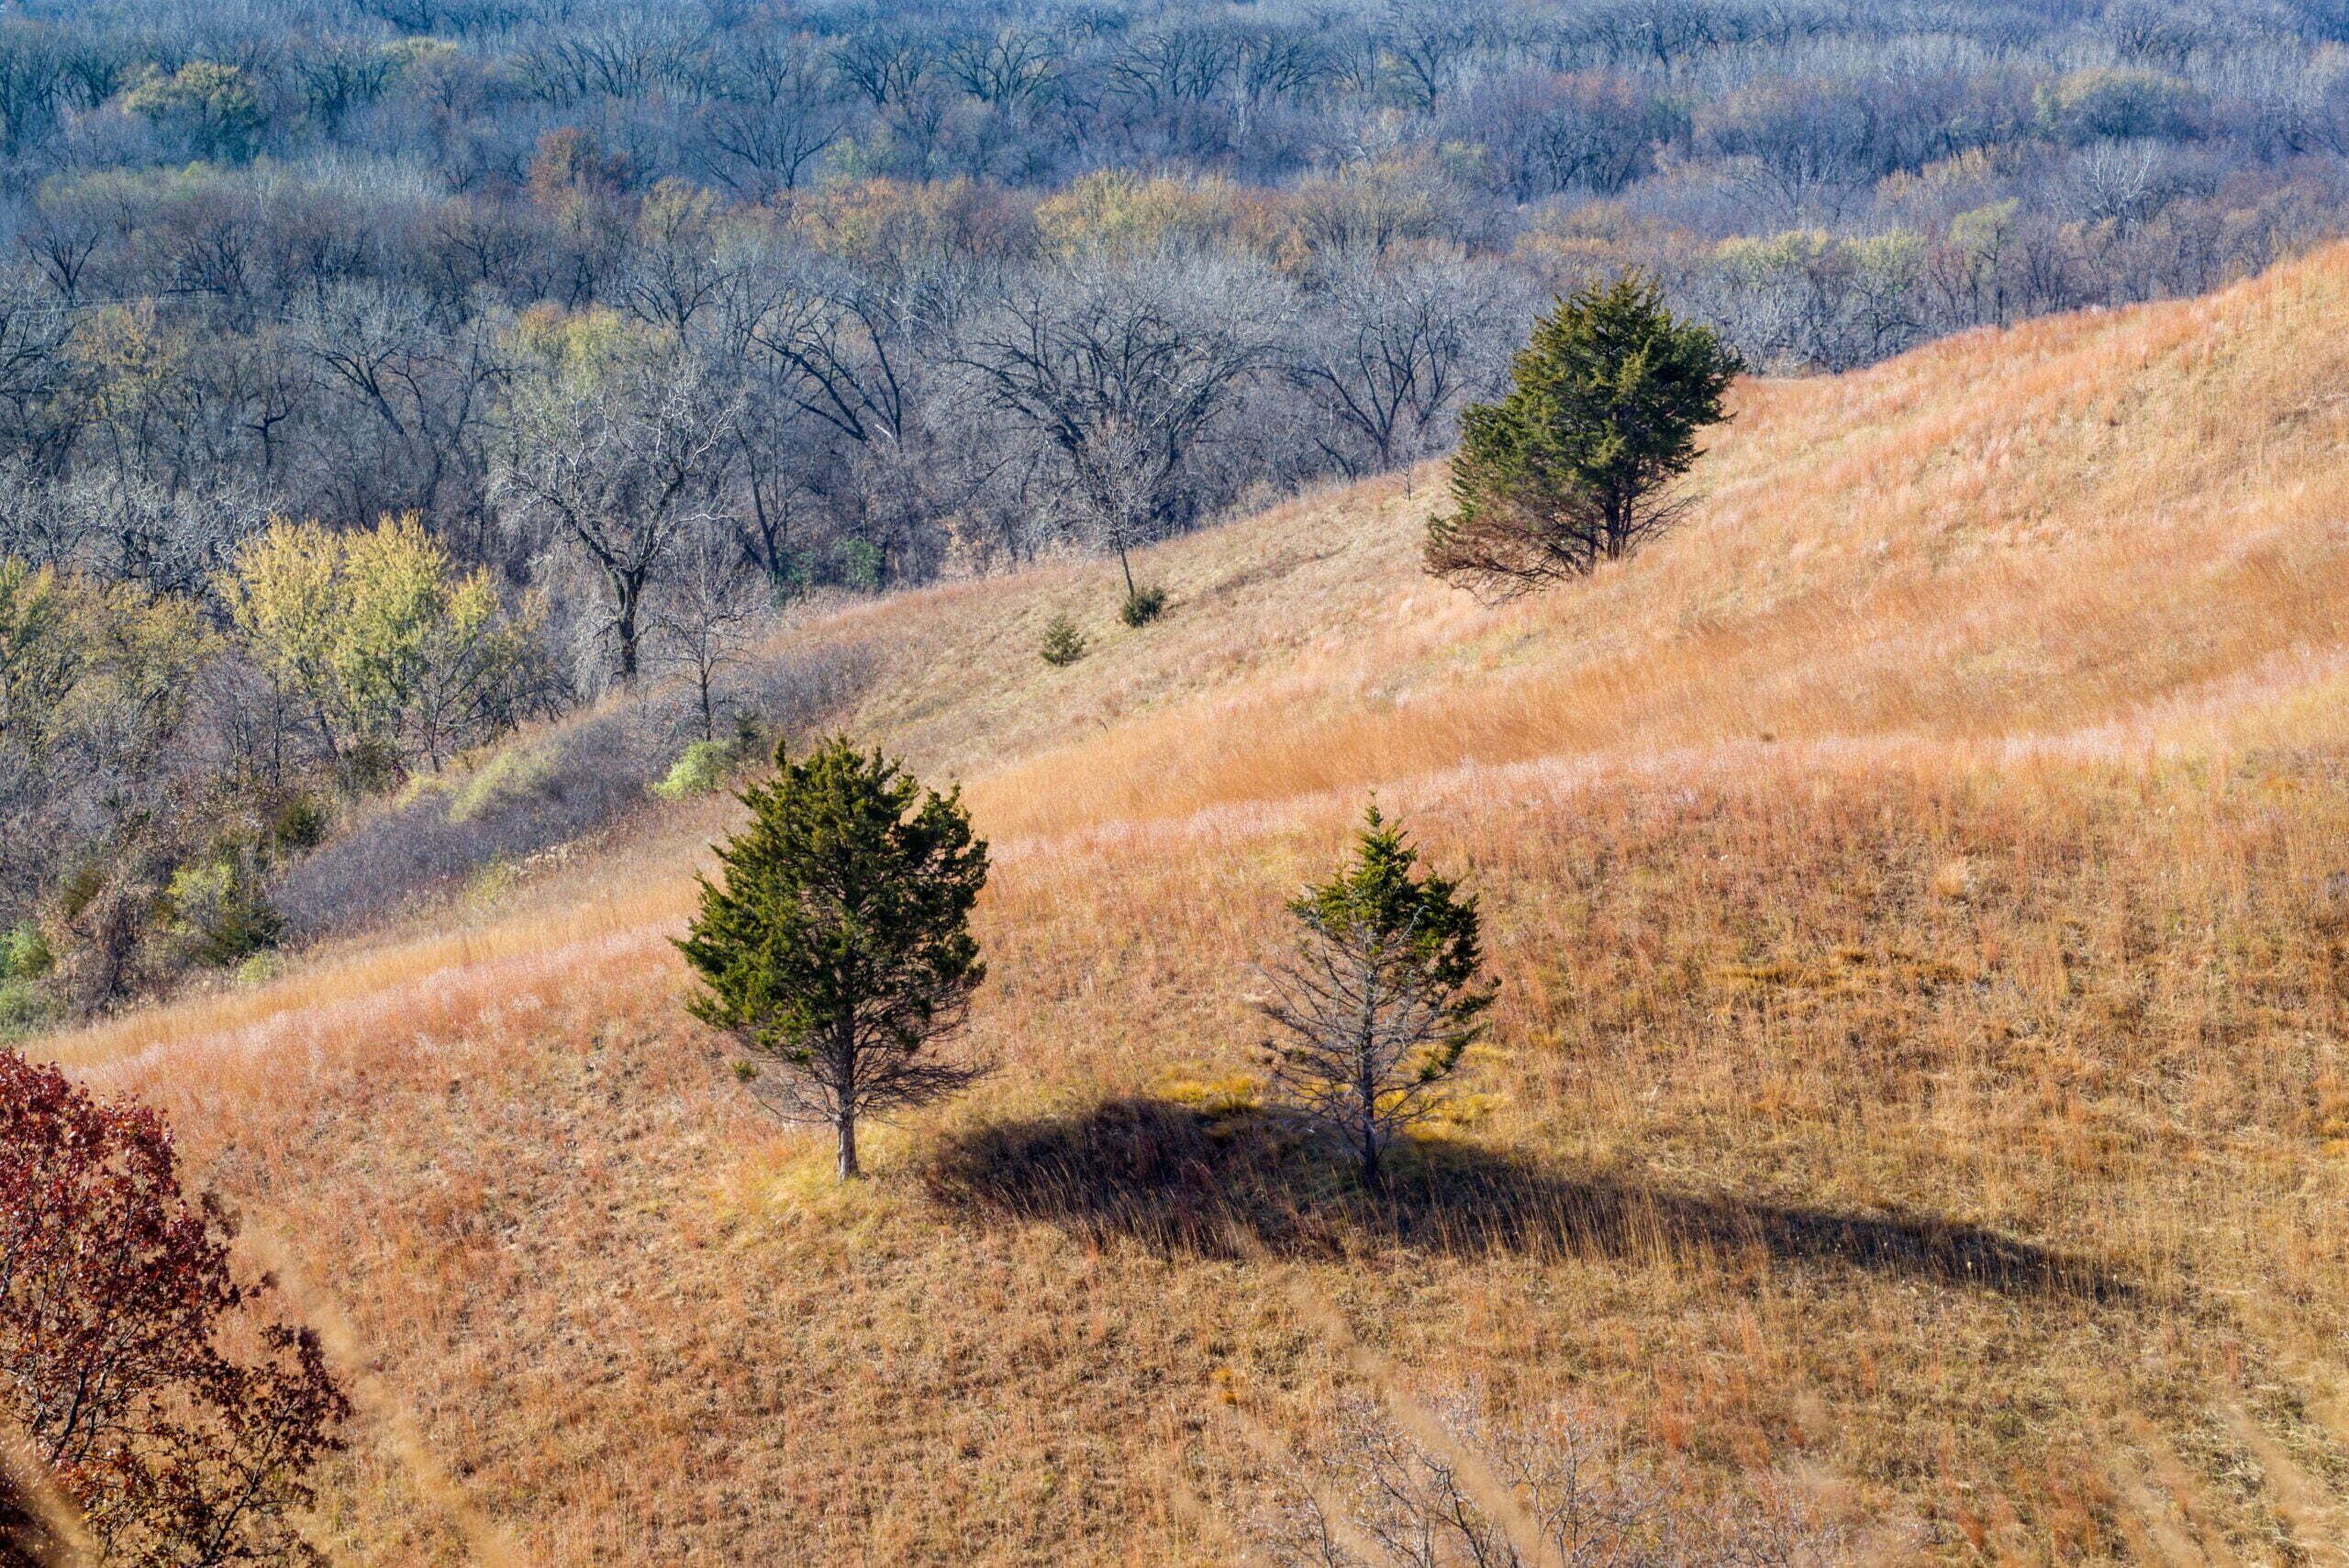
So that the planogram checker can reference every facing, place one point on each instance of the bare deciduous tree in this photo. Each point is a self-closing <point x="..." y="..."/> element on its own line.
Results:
<point x="1424" y="43"/>
<point x="621" y="464"/>
<point x="1123" y="370"/>
<point x="1393" y="351"/>
<point x="1008" y="65"/>
<point x="776" y="115"/>
<point x="709" y="612"/>
<point x="887" y="62"/>
<point x="427" y="389"/>
<point x="859" y="364"/>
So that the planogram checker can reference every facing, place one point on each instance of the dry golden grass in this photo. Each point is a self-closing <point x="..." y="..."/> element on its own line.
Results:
<point x="1921" y="889"/>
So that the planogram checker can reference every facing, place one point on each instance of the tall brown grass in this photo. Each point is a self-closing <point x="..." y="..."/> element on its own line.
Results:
<point x="1921" y="890"/>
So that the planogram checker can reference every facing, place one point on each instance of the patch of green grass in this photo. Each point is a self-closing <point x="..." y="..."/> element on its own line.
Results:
<point x="700" y="768"/>
<point x="511" y="772"/>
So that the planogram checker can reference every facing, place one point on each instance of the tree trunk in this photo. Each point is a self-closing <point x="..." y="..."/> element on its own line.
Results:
<point x="846" y="1128"/>
<point x="629" y="594"/>
<point x="1622" y="518"/>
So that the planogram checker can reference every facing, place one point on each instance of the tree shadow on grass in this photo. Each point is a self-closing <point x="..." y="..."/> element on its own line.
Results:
<point x="1185" y="1184"/>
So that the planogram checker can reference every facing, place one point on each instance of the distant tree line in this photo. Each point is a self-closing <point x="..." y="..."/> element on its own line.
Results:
<point x="879" y="292"/>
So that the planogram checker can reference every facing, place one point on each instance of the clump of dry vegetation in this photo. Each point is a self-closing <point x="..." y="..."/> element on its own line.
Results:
<point x="1919" y="890"/>
<point x="1445" y="1486"/>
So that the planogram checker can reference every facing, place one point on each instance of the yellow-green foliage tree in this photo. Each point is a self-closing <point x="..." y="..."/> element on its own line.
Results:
<point x="41" y="654"/>
<point x="97" y="680"/>
<point x="399" y="656"/>
<point x="78" y="655"/>
<point x="213" y="105"/>
<point x="1114" y="213"/>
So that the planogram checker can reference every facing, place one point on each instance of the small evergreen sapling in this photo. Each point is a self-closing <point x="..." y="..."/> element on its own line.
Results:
<point x="1380" y="998"/>
<point x="1063" y="644"/>
<point x="1143" y="606"/>
<point x="839" y="943"/>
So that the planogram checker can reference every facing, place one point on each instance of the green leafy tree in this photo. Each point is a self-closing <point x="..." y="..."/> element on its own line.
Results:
<point x="1381" y="997"/>
<point x="1143" y="606"/>
<point x="1578" y="463"/>
<point x="217" y="907"/>
<point x="838" y="944"/>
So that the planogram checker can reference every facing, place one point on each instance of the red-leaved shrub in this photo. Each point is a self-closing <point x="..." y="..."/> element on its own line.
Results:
<point x="181" y="1423"/>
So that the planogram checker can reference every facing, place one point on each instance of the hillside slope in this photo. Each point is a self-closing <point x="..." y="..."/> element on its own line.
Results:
<point x="1918" y="890"/>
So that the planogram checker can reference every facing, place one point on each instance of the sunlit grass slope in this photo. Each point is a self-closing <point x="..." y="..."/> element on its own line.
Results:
<point x="1921" y="892"/>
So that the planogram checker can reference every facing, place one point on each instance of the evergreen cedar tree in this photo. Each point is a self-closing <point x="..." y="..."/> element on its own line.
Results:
<point x="122" y="1419"/>
<point x="838" y="944"/>
<point x="1575" y="466"/>
<point x="1381" y="997"/>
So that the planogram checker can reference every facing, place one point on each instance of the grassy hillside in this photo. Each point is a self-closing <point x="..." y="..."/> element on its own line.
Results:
<point x="1922" y="891"/>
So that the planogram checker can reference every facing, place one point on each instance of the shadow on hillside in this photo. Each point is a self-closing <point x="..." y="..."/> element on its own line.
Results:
<point x="1181" y="1183"/>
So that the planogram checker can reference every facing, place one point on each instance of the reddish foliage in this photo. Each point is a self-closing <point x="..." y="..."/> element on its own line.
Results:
<point x="118" y="1312"/>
